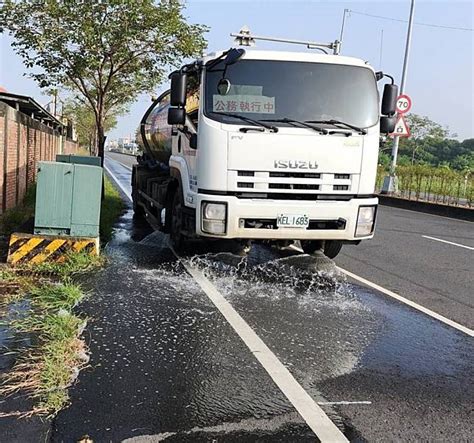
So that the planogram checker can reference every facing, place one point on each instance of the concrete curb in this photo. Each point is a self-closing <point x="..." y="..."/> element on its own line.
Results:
<point x="35" y="249"/>
<point x="458" y="212"/>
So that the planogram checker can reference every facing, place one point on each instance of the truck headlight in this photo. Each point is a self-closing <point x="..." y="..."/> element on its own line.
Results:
<point x="214" y="216"/>
<point x="365" y="221"/>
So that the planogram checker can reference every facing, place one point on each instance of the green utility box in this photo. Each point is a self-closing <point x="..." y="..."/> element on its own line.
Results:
<point x="68" y="198"/>
<point x="78" y="159"/>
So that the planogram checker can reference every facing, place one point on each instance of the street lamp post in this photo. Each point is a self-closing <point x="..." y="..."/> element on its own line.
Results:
<point x="390" y="183"/>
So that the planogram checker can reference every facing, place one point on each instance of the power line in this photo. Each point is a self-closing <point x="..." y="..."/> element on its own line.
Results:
<point x="431" y="25"/>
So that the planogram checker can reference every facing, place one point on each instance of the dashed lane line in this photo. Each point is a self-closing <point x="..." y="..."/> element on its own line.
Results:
<point x="410" y="303"/>
<point x="448" y="242"/>
<point x="310" y="411"/>
<point x="403" y="300"/>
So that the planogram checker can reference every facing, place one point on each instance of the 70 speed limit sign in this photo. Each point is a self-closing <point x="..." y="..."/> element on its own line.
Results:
<point x="403" y="104"/>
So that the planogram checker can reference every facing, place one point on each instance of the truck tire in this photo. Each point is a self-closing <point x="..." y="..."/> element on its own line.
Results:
<point x="138" y="211"/>
<point x="176" y="236"/>
<point x="331" y="247"/>
<point x="311" y="246"/>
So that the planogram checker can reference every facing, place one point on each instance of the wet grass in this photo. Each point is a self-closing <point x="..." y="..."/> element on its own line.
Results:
<point x="75" y="263"/>
<point x="112" y="207"/>
<point x="44" y="371"/>
<point x="13" y="218"/>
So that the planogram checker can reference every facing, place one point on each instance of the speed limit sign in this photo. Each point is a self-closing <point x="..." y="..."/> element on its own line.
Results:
<point x="403" y="104"/>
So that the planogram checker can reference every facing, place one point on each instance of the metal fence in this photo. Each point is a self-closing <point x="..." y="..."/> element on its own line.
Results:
<point x="433" y="184"/>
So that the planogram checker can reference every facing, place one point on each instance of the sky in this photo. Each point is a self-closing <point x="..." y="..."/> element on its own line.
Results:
<point x="440" y="77"/>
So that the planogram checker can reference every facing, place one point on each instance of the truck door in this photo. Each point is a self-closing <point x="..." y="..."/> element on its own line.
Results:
<point x="182" y="140"/>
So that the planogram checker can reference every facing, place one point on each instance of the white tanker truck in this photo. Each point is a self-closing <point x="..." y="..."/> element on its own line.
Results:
<point x="265" y="145"/>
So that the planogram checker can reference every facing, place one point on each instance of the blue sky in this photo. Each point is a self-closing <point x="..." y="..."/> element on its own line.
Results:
<point x="441" y="70"/>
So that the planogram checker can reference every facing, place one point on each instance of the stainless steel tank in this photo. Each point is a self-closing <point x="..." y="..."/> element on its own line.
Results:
<point x="155" y="133"/>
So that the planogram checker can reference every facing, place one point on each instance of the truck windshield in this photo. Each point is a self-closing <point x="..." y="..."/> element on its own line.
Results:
<point x="267" y="89"/>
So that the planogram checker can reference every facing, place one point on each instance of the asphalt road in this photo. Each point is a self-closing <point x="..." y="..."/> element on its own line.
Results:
<point x="169" y="364"/>
<point x="434" y="274"/>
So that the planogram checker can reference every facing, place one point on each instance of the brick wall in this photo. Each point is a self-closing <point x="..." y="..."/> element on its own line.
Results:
<point x="23" y="142"/>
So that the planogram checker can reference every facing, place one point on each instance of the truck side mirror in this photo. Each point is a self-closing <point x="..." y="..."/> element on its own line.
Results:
<point x="176" y="116"/>
<point x="178" y="89"/>
<point x="234" y="55"/>
<point x="387" y="124"/>
<point x="389" y="99"/>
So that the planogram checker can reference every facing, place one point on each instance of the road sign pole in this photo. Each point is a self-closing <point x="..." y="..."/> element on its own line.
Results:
<point x="390" y="183"/>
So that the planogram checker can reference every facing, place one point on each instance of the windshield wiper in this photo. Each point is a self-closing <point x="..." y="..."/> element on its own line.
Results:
<point x="339" y="122"/>
<point x="295" y="122"/>
<point x="248" y="120"/>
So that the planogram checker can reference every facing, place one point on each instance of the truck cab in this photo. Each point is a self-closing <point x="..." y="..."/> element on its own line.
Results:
<point x="265" y="145"/>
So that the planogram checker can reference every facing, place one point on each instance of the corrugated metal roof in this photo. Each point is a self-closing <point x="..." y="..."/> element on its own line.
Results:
<point x="29" y="106"/>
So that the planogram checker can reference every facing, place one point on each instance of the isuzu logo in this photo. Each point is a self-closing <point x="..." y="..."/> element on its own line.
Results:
<point x="295" y="164"/>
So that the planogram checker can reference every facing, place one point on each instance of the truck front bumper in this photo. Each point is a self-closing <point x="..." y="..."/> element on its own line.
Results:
<point x="256" y="218"/>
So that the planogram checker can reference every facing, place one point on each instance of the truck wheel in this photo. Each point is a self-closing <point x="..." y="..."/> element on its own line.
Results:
<point x="332" y="248"/>
<point x="176" y="236"/>
<point x="311" y="246"/>
<point x="138" y="211"/>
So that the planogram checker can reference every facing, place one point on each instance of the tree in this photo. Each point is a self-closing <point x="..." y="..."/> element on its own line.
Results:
<point x="424" y="133"/>
<point x="107" y="51"/>
<point x="85" y="123"/>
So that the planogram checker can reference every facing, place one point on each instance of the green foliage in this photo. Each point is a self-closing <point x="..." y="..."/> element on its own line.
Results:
<point x="75" y="263"/>
<point x="13" y="218"/>
<point x="430" y="144"/>
<point x="107" y="52"/>
<point x="437" y="184"/>
<point x="53" y="296"/>
<point x="112" y="207"/>
<point x="45" y="371"/>
<point x="85" y="122"/>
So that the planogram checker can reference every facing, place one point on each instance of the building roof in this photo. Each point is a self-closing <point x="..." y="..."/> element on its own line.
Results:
<point x="29" y="106"/>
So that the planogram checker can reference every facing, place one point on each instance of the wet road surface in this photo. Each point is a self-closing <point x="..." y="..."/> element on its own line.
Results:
<point x="408" y="257"/>
<point x="166" y="365"/>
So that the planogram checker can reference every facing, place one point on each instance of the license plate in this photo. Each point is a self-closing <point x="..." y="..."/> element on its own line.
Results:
<point x="292" y="221"/>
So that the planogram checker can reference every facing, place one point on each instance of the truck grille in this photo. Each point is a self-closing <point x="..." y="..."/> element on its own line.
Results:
<point x="293" y="175"/>
<point x="291" y="182"/>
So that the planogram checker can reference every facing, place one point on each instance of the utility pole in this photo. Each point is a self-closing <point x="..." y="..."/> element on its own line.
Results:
<point x="390" y="183"/>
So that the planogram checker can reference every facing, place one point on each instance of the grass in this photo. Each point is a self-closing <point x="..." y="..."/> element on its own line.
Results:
<point x="112" y="207"/>
<point x="13" y="218"/>
<point x="437" y="184"/>
<point x="74" y="263"/>
<point x="45" y="371"/>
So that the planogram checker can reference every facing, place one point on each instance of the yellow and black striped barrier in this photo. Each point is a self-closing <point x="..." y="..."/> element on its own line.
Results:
<point x="35" y="249"/>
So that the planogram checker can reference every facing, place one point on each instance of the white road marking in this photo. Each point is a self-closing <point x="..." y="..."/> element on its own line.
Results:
<point x="331" y="403"/>
<point x="401" y="299"/>
<point x="124" y="190"/>
<point x="120" y="163"/>
<point x="410" y="303"/>
<point x="309" y="410"/>
<point x="448" y="242"/>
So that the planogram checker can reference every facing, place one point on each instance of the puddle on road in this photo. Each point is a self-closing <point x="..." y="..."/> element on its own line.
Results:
<point x="182" y="356"/>
<point x="309" y="319"/>
<point x="11" y="341"/>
